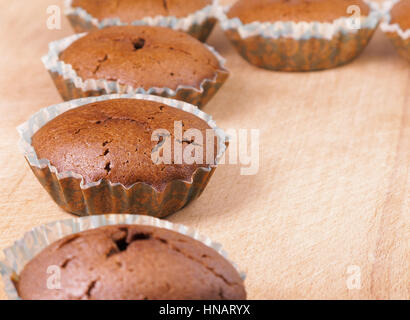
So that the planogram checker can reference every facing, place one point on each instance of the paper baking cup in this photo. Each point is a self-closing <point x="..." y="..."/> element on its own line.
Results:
<point x="399" y="37"/>
<point x="71" y="86"/>
<point x="70" y="191"/>
<point x="198" y="24"/>
<point x="34" y="241"/>
<point x="300" y="46"/>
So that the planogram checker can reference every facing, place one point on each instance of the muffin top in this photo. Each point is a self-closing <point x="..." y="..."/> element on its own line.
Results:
<point x="401" y="14"/>
<point x="142" y="56"/>
<point x="130" y="10"/>
<point x="293" y="10"/>
<point x="130" y="262"/>
<point x="112" y="140"/>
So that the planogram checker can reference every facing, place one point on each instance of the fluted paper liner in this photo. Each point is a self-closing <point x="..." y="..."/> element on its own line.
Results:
<point x="300" y="46"/>
<point x="198" y="24"/>
<point x="34" y="241"/>
<point x="399" y="37"/>
<point x="70" y="192"/>
<point x="71" y="86"/>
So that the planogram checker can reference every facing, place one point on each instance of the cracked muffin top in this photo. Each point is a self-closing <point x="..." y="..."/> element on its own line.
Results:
<point x="130" y="10"/>
<point x="294" y="10"/>
<point x="142" y="56"/>
<point x="400" y="14"/>
<point x="130" y="262"/>
<point x="112" y="140"/>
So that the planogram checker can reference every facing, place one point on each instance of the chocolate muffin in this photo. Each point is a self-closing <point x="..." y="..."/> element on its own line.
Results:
<point x="130" y="10"/>
<point x="112" y="140"/>
<point x="299" y="35"/>
<point x="130" y="262"/>
<point x="136" y="59"/>
<point x="397" y="27"/>
<point x="400" y="14"/>
<point x="195" y="17"/>
<point x="294" y="10"/>
<point x="141" y="56"/>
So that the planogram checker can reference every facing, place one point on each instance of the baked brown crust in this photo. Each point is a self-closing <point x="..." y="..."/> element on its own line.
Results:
<point x="131" y="262"/>
<point x="112" y="140"/>
<point x="293" y="10"/>
<point x="130" y="10"/>
<point x="400" y="14"/>
<point x="142" y="57"/>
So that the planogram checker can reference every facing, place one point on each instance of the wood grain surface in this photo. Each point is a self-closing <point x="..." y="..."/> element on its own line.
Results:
<point x="333" y="189"/>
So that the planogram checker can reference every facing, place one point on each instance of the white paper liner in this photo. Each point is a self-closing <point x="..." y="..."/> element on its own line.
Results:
<point x="299" y="30"/>
<point x="34" y="241"/>
<point x="39" y="119"/>
<point x="53" y="63"/>
<point x="395" y="28"/>
<point x="172" y="22"/>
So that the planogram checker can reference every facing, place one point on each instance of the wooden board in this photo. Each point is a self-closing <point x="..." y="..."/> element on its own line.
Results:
<point x="333" y="190"/>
